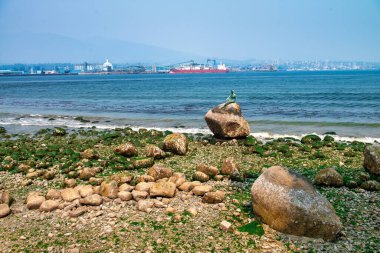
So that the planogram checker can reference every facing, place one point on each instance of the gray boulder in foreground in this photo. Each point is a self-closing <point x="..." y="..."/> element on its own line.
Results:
<point x="227" y="121"/>
<point x="372" y="159"/>
<point x="289" y="203"/>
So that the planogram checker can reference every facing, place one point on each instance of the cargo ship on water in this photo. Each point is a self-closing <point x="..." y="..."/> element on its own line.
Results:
<point x="191" y="67"/>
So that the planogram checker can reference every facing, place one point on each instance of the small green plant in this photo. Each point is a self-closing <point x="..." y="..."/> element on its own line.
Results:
<point x="252" y="228"/>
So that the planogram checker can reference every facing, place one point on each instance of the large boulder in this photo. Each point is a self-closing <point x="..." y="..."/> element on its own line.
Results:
<point x="372" y="159"/>
<point x="227" y="121"/>
<point x="176" y="143"/>
<point x="290" y="204"/>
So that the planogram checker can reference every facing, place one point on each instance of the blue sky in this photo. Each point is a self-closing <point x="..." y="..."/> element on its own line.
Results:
<point x="239" y="29"/>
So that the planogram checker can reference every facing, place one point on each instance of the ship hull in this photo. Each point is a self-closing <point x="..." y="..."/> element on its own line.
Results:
<point x="197" y="71"/>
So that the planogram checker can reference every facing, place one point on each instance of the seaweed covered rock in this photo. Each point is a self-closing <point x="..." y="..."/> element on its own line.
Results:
<point x="372" y="159"/>
<point x="290" y="204"/>
<point x="371" y="185"/>
<point x="143" y="162"/>
<point x="154" y="151"/>
<point x="126" y="149"/>
<point x="89" y="154"/>
<point x="329" y="177"/>
<point x="310" y="139"/>
<point x="59" y="131"/>
<point x="2" y="130"/>
<point x="176" y="143"/>
<point x="227" y="121"/>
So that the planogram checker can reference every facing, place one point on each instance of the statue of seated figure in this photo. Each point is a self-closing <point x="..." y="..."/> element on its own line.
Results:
<point x="231" y="99"/>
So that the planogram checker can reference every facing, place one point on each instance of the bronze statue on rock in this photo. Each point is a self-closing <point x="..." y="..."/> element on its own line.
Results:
<point x="226" y="120"/>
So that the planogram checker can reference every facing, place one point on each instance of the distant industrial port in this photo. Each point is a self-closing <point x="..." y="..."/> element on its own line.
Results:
<point x="211" y="66"/>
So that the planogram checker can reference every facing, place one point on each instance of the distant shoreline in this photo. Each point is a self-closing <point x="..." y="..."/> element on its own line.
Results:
<point x="160" y="72"/>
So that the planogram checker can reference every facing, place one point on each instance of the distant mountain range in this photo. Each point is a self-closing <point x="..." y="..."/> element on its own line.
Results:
<point x="52" y="48"/>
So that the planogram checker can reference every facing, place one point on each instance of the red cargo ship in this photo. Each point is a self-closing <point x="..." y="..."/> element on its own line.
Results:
<point x="199" y="68"/>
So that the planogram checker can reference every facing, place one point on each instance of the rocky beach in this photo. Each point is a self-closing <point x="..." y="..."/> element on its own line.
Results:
<point x="122" y="190"/>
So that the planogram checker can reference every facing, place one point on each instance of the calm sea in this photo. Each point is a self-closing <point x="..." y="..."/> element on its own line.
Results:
<point x="285" y="103"/>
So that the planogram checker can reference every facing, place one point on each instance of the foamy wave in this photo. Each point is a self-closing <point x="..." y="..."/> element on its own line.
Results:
<point x="266" y="136"/>
<point x="37" y="120"/>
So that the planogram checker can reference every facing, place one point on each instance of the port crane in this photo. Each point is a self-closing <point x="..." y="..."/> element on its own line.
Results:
<point x="212" y="60"/>
<point x="180" y="63"/>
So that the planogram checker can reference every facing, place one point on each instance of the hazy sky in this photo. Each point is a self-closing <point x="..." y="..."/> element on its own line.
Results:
<point x="234" y="29"/>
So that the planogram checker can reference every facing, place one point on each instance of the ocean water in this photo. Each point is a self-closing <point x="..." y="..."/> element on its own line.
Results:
<point x="274" y="103"/>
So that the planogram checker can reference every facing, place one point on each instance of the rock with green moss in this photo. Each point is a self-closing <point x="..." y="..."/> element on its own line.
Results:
<point x="59" y="131"/>
<point x="328" y="138"/>
<point x="126" y="149"/>
<point x="371" y="185"/>
<point x="176" y="143"/>
<point x="318" y="155"/>
<point x="317" y="144"/>
<point x="2" y="130"/>
<point x="329" y="177"/>
<point x="143" y="162"/>
<point x="309" y="139"/>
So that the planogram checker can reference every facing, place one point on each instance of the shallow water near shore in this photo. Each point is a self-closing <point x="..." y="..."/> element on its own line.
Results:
<point x="275" y="104"/>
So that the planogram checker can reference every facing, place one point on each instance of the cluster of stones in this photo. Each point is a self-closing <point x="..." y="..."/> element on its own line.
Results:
<point x="174" y="143"/>
<point x="330" y="177"/>
<point x="205" y="172"/>
<point x="159" y="184"/>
